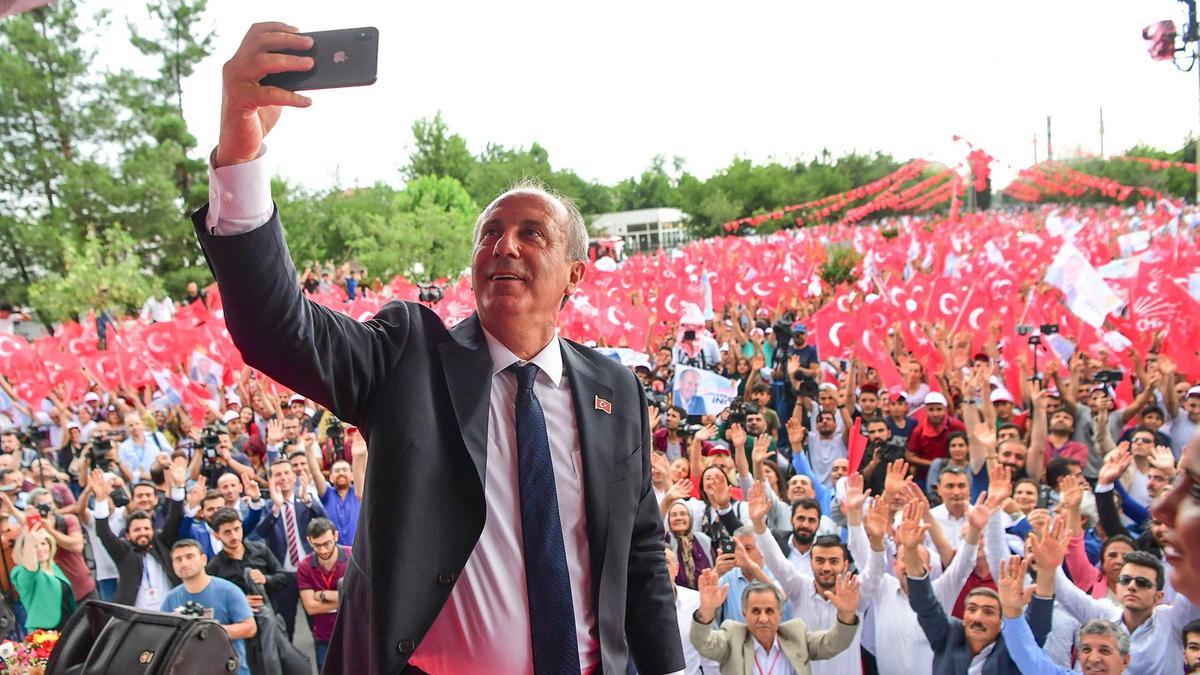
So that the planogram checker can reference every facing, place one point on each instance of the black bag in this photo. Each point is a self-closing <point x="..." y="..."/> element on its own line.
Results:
<point x="8" y="620"/>
<point x="103" y="637"/>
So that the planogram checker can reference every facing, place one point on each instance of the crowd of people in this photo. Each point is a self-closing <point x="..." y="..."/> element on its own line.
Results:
<point x="825" y="522"/>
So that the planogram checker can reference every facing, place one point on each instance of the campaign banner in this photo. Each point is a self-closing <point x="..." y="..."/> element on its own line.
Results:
<point x="702" y="392"/>
<point x="630" y="358"/>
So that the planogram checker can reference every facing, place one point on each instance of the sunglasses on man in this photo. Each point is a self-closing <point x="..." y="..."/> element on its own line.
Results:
<point x="1142" y="583"/>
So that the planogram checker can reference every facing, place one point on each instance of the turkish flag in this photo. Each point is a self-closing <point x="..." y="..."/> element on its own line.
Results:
<point x="162" y="342"/>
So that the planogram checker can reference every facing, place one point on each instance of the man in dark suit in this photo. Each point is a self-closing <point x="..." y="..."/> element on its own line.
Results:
<point x="509" y="524"/>
<point x="143" y="558"/>
<point x="282" y="528"/>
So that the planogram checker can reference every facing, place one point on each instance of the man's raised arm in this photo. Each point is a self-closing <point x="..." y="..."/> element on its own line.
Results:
<point x="320" y="353"/>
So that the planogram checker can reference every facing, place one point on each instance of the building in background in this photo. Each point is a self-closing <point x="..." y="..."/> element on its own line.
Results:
<point x="643" y="230"/>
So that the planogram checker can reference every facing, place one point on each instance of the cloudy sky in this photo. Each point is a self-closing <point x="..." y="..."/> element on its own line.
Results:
<point x="607" y="86"/>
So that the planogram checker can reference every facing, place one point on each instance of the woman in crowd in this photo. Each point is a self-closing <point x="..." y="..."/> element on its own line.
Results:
<point x="44" y="589"/>
<point x="693" y="549"/>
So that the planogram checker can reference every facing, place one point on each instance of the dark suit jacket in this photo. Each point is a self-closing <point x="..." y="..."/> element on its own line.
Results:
<point x="129" y="562"/>
<point x="419" y="392"/>
<point x="256" y="556"/>
<point x="271" y="531"/>
<point x="951" y="655"/>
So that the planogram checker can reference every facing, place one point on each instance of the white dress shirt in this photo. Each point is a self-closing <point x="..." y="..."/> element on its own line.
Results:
<point x="817" y="612"/>
<point x="687" y="602"/>
<point x="772" y="662"/>
<point x="490" y="597"/>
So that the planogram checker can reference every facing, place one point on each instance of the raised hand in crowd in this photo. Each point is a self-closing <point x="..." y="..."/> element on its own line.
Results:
<point x="844" y="597"/>
<point x="712" y="595"/>
<point x="1010" y="585"/>
<point x="1115" y="465"/>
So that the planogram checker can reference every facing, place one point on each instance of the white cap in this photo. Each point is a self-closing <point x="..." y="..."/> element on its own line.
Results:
<point x="1001" y="395"/>
<point x="73" y="425"/>
<point x="936" y="397"/>
<point x="1194" y="391"/>
<point x="91" y="396"/>
<point x="296" y="398"/>
<point x="229" y="416"/>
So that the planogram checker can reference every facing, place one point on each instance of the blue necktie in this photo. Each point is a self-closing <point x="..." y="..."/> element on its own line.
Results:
<point x="547" y="579"/>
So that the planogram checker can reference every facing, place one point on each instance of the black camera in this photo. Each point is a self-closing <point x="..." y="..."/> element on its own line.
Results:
<point x="44" y="510"/>
<point x="689" y="335"/>
<point x="430" y="293"/>
<point x="738" y="409"/>
<point x="1109" y="376"/>
<point x="34" y="437"/>
<point x="337" y="434"/>
<point x="657" y="399"/>
<point x="100" y="452"/>
<point x="725" y="545"/>
<point x="1049" y="328"/>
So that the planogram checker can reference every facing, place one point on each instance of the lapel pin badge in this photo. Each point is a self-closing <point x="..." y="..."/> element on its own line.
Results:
<point x="604" y="405"/>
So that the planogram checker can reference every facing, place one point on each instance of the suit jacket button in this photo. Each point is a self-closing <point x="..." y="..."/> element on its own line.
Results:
<point x="445" y="578"/>
<point x="406" y="646"/>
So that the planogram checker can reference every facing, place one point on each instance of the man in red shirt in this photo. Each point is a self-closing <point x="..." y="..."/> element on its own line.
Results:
<point x="930" y="438"/>
<point x="318" y="577"/>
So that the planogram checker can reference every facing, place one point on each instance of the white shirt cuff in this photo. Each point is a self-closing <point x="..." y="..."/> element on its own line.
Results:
<point x="178" y="493"/>
<point x="101" y="509"/>
<point x="1101" y="487"/>
<point x="239" y="196"/>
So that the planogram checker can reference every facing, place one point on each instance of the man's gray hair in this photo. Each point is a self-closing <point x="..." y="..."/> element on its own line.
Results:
<point x="760" y="587"/>
<point x="1104" y="628"/>
<point x="576" y="229"/>
<point x="743" y="531"/>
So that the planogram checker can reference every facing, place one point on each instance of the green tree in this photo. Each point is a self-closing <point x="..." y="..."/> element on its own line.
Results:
<point x="438" y="152"/>
<point x="110" y="259"/>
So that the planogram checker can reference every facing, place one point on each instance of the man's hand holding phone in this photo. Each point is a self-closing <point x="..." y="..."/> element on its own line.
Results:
<point x="248" y="109"/>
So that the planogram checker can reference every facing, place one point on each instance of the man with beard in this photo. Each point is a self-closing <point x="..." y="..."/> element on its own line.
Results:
<point x="337" y="494"/>
<point x="143" y="557"/>
<point x="239" y="554"/>
<point x="930" y="439"/>
<point x="825" y="446"/>
<point x="748" y="568"/>
<point x="221" y="600"/>
<point x="1191" y="647"/>
<point x="1059" y="442"/>
<point x="318" y="576"/>
<point x="809" y="593"/>
<point x="880" y="452"/>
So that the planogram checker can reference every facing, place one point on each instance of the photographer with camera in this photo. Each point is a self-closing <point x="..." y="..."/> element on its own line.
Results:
<point x="214" y="456"/>
<point x="694" y="346"/>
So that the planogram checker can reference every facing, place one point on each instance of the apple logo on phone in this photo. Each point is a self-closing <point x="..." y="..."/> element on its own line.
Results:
<point x="340" y="57"/>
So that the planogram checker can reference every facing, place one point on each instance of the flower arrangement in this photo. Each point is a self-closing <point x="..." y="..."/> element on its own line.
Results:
<point x="28" y="657"/>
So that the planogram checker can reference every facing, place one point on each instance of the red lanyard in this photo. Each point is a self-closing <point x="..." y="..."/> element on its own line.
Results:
<point x="329" y="580"/>
<point x="770" y="666"/>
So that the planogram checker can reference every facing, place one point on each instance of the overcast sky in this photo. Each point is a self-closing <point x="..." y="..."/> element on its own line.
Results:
<point x="605" y="86"/>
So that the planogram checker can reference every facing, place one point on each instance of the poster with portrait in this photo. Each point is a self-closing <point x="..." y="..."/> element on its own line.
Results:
<point x="702" y="392"/>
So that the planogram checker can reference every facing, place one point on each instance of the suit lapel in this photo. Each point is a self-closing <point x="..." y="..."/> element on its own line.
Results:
<point x="596" y="429"/>
<point x="467" y="367"/>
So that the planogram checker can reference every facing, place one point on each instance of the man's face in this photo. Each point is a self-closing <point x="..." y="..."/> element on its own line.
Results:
<point x="340" y="475"/>
<point x="799" y="487"/>
<point x="519" y="266"/>
<point x="828" y="562"/>
<point x="236" y="427"/>
<point x="230" y="535"/>
<point x="135" y="425"/>
<point x="1134" y="594"/>
<point x="1004" y="409"/>
<point x="1053" y="405"/>
<point x="1142" y="443"/>
<point x="935" y="413"/>
<point x="954" y="491"/>
<point x="1191" y="651"/>
<point x="325" y="546"/>
<point x="827" y="398"/>
<point x="230" y="487"/>
<point x="799" y="338"/>
<point x="291" y="429"/>
<point x="188" y="562"/>
<point x="299" y="466"/>
<point x="1156" y="481"/>
<point x="283" y="477"/>
<point x="746" y="543"/>
<point x="192" y="289"/>
<point x="826" y="425"/>
<point x="805" y="523"/>
<point x="1158" y="530"/>
<point x="755" y="424"/>
<point x="869" y="403"/>
<point x="673" y="419"/>
<point x="9" y="443"/>
<point x="840" y="468"/>
<point x="724" y="463"/>
<point x="209" y="506"/>
<point x="1192" y="405"/>
<point x="1026" y="496"/>
<point x="761" y="398"/>
<point x="1152" y="421"/>
<point x="1013" y="454"/>
<point x="878" y="432"/>
<point x="981" y="619"/>
<point x="1062" y="422"/>
<point x="689" y="382"/>
<point x="762" y="616"/>
<point x="140" y="532"/>
<point x="897" y="408"/>
<point x="1008" y="434"/>
<point x="297" y="409"/>
<point x="224" y="441"/>
<point x="144" y="498"/>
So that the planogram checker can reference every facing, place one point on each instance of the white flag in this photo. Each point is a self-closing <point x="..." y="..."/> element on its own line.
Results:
<point x="1088" y="296"/>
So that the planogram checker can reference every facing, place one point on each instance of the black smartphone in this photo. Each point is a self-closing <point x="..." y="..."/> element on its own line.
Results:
<point x="341" y="58"/>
